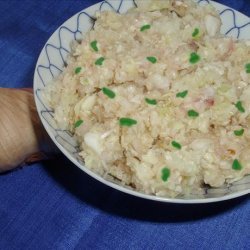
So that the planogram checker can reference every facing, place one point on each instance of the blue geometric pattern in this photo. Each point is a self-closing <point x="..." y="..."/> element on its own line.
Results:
<point x="53" y="58"/>
<point x="236" y="26"/>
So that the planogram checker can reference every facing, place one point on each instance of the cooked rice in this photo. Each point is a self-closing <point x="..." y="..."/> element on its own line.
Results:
<point x="172" y="53"/>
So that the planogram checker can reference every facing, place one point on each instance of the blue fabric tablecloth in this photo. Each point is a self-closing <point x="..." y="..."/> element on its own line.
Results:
<point x="54" y="205"/>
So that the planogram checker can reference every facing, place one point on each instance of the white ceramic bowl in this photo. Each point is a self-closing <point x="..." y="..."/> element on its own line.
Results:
<point x="53" y="58"/>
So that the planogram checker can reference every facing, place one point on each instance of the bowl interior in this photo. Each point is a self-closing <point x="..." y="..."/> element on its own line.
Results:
<point x="52" y="60"/>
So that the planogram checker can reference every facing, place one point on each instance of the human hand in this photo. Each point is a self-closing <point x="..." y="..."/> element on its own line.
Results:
<point x="22" y="136"/>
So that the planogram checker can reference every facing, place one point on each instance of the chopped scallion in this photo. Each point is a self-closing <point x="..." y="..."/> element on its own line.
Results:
<point x="93" y="45"/>
<point x="127" y="122"/>
<point x="194" y="58"/>
<point x="145" y="27"/>
<point x="182" y="94"/>
<point x="99" y="61"/>
<point x="78" y="123"/>
<point x="150" y="101"/>
<point x="236" y="165"/>
<point x="175" y="144"/>
<point x="152" y="59"/>
<point x="108" y="92"/>
<point x="193" y="113"/>
<point x="239" y="132"/>
<point x="78" y="70"/>
<point x="240" y="107"/>
<point x="165" y="174"/>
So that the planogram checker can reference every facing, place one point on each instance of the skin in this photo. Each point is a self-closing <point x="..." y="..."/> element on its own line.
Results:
<point x="23" y="138"/>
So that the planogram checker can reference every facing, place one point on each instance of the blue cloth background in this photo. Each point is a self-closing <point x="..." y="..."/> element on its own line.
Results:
<point x="54" y="205"/>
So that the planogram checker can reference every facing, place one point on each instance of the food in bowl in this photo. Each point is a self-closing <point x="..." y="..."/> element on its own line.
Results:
<point x="158" y="99"/>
